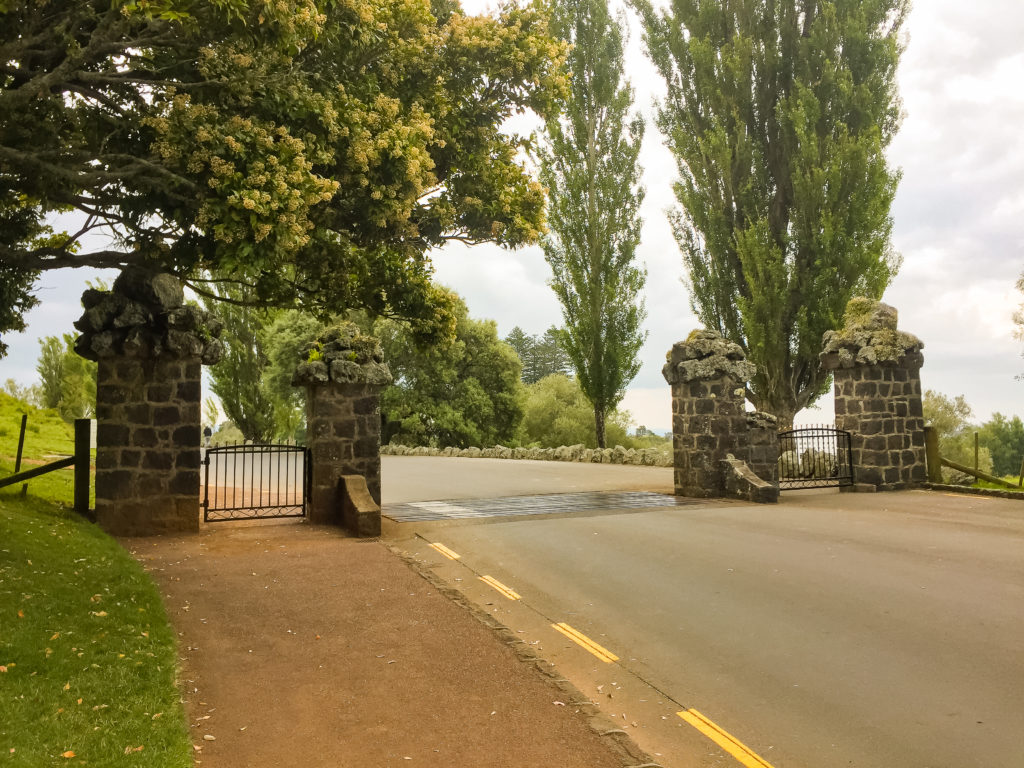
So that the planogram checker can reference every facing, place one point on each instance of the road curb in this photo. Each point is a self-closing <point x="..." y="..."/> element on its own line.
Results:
<point x="628" y="752"/>
<point x="969" y="491"/>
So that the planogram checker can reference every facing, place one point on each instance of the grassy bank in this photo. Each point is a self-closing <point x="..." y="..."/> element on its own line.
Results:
<point x="87" y="657"/>
<point x="47" y="438"/>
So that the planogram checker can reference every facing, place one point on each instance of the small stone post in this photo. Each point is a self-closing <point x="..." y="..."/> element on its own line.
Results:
<point x="150" y="348"/>
<point x="877" y="373"/>
<point x="708" y="374"/>
<point x="344" y="373"/>
<point x="763" y="438"/>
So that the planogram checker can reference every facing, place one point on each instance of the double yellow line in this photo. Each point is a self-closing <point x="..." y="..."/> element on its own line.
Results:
<point x="722" y="738"/>
<point x="585" y="642"/>
<point x="450" y="554"/>
<point x="506" y="591"/>
<point x="725" y="740"/>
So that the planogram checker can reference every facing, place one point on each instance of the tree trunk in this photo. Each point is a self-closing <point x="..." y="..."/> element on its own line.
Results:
<point x="599" y="426"/>
<point x="784" y="415"/>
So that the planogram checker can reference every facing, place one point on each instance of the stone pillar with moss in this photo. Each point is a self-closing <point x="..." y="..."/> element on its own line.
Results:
<point x="344" y="374"/>
<point x="150" y="347"/>
<point x="877" y="374"/>
<point x="763" y="442"/>
<point x="708" y="375"/>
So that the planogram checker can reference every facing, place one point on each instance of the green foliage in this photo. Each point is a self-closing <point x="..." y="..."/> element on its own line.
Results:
<point x="779" y="115"/>
<point x="238" y="379"/>
<point x="290" y="332"/>
<point x="87" y="655"/>
<point x="1003" y="438"/>
<point x="314" y="151"/>
<point x="67" y="380"/>
<point x="227" y="434"/>
<point x="30" y="394"/>
<point x="590" y="169"/>
<point x="540" y="355"/>
<point x="211" y="413"/>
<point x="556" y="412"/>
<point x="461" y="393"/>
<point x="951" y="418"/>
<point x="46" y="435"/>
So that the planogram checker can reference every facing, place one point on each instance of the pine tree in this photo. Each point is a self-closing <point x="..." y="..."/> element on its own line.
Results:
<point x="590" y="169"/>
<point x="778" y="113"/>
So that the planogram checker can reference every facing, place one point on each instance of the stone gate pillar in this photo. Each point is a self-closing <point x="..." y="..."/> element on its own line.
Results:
<point x="877" y="373"/>
<point x="150" y="349"/>
<point x="343" y="373"/>
<point x="708" y="374"/>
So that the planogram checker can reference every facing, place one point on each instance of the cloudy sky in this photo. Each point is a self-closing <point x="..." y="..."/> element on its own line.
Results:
<point x="957" y="214"/>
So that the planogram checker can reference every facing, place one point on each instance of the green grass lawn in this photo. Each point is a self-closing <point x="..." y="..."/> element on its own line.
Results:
<point x="87" y="657"/>
<point x="47" y="438"/>
<point x="993" y="486"/>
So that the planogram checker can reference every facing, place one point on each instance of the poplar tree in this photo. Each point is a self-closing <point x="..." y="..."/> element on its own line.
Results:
<point x="779" y="113"/>
<point x="590" y="169"/>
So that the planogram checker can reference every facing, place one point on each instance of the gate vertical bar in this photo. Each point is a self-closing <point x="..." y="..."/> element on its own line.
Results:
<point x="206" y="486"/>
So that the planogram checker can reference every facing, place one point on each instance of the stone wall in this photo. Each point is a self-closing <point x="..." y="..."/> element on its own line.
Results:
<point x="647" y="457"/>
<point x="147" y="445"/>
<point x="150" y="348"/>
<point x="344" y="374"/>
<point x="763" y="446"/>
<point x="877" y="373"/>
<point x="707" y="374"/>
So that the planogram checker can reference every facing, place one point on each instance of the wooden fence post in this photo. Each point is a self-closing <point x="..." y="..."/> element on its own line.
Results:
<point x="83" y="431"/>
<point x="21" y="445"/>
<point x="931" y="450"/>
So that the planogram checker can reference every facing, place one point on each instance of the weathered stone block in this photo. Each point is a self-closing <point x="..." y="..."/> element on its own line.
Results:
<point x="187" y="436"/>
<point x="159" y="460"/>
<point x="166" y="415"/>
<point x="142" y="437"/>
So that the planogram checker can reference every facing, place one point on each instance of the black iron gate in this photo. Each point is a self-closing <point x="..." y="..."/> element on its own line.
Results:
<point x="245" y="482"/>
<point x="815" y="457"/>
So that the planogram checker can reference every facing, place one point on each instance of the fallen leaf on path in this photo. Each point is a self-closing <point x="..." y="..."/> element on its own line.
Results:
<point x="559" y="703"/>
<point x="208" y="737"/>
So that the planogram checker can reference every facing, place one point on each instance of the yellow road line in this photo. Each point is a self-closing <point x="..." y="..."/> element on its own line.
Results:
<point x="500" y="587"/>
<point x="723" y="739"/>
<point x="579" y="638"/>
<point x="445" y="551"/>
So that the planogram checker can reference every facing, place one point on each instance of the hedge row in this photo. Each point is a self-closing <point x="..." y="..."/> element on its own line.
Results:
<point x="648" y="457"/>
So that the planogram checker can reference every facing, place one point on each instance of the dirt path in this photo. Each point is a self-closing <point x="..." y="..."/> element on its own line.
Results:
<point x="303" y="648"/>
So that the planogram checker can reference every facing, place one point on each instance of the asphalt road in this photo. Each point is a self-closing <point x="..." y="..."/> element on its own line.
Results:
<point x="870" y="630"/>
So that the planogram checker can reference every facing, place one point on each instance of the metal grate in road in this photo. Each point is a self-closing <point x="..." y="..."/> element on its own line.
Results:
<point x="514" y="506"/>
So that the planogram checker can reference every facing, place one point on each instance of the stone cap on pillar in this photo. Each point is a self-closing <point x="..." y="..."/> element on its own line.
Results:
<point x="342" y="355"/>
<point x="144" y="315"/>
<point x="869" y="337"/>
<point x="707" y="355"/>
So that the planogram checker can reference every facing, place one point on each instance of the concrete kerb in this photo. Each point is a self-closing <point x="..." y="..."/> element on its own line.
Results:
<point x="623" y="747"/>
<point x="968" y="490"/>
